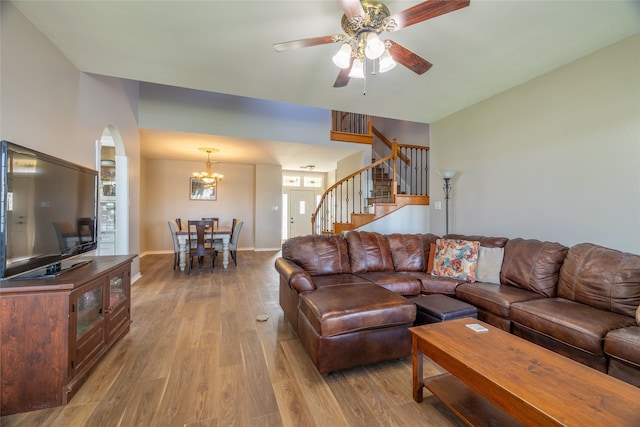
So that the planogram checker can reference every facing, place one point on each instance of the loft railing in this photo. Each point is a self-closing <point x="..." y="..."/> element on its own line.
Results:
<point x="404" y="171"/>
<point x="351" y="127"/>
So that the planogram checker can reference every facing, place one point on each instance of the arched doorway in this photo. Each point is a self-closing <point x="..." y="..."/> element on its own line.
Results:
<point x="113" y="195"/>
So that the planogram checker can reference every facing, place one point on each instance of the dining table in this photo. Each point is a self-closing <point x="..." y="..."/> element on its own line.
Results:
<point x="222" y="233"/>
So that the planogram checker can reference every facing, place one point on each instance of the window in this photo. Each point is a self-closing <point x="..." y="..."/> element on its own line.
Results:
<point x="313" y="181"/>
<point x="290" y="181"/>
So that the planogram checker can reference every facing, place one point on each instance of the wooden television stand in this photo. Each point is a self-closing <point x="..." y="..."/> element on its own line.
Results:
<point x="54" y="330"/>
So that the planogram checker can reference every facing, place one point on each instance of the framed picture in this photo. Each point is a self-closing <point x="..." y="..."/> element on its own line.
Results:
<point x="201" y="190"/>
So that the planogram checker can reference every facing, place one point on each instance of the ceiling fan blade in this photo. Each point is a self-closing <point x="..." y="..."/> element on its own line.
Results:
<point x="314" y="41"/>
<point x="423" y="11"/>
<point x="405" y="57"/>
<point x="351" y="8"/>
<point x="343" y="76"/>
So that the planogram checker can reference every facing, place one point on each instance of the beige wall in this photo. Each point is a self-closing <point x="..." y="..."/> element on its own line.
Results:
<point x="268" y="207"/>
<point x="557" y="158"/>
<point x="48" y="105"/>
<point x="166" y="197"/>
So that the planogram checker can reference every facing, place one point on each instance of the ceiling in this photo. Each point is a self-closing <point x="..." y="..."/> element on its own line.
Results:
<point x="226" y="47"/>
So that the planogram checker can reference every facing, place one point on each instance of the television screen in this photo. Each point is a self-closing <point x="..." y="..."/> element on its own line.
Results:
<point x="47" y="208"/>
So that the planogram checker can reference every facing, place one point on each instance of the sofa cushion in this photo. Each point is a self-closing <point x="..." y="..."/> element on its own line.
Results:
<point x="399" y="282"/>
<point x="456" y="259"/>
<point x="406" y="252"/>
<point x="431" y="284"/>
<point x="368" y="251"/>
<point x="318" y="254"/>
<point x="489" y="264"/>
<point x="493" y="299"/>
<point x="578" y="325"/>
<point x="486" y="241"/>
<point x="601" y="277"/>
<point x="533" y="265"/>
<point x="343" y="309"/>
<point x="338" y="279"/>
<point x="624" y="344"/>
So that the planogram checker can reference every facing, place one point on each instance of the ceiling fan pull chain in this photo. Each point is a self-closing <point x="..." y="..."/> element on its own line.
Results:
<point x="364" y="80"/>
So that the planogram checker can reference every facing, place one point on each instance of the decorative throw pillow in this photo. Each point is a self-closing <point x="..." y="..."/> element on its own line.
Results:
<point x="432" y="254"/>
<point x="638" y="315"/>
<point x="489" y="265"/>
<point x="456" y="259"/>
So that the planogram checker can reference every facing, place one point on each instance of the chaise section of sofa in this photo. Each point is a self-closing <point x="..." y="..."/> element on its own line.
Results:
<point x="345" y="326"/>
<point x="598" y="291"/>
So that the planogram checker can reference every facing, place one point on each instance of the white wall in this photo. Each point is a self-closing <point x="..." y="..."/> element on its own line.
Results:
<point x="48" y="105"/>
<point x="557" y="158"/>
<point x="408" y="219"/>
<point x="166" y="196"/>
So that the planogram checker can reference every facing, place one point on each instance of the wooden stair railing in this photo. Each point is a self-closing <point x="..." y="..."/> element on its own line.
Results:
<point x="374" y="190"/>
<point x="351" y="127"/>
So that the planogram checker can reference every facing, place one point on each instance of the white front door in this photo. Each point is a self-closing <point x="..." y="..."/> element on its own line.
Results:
<point x="301" y="206"/>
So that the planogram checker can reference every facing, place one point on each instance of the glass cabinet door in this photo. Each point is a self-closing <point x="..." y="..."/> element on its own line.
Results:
<point x="90" y="312"/>
<point x="117" y="289"/>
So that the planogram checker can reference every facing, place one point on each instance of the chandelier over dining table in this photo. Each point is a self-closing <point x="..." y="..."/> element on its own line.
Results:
<point x="207" y="176"/>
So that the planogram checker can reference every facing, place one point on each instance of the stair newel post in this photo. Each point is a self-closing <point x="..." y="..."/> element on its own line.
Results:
<point x="394" y="152"/>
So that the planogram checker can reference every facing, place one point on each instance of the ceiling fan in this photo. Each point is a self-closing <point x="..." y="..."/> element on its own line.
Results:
<point x="363" y="22"/>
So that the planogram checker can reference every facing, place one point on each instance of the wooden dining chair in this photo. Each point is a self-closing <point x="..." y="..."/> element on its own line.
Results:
<point x="216" y="221"/>
<point x="198" y="246"/>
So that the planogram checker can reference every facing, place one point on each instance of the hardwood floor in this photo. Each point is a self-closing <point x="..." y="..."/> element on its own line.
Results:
<point x="196" y="356"/>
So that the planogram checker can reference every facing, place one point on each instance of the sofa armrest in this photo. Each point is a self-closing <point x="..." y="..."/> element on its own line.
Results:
<point x="297" y="278"/>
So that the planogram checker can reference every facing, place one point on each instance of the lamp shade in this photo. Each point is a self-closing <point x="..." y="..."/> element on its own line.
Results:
<point x="342" y="58"/>
<point x="375" y="46"/>
<point x="448" y="173"/>
<point x="386" y="62"/>
<point x="357" y="69"/>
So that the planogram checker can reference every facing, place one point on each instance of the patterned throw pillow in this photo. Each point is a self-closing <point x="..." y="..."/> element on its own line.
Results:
<point x="456" y="259"/>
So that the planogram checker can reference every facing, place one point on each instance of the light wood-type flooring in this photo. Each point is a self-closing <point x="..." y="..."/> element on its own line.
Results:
<point x="196" y="356"/>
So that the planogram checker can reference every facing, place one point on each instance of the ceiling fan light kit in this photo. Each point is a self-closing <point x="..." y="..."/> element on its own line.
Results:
<point x="363" y="22"/>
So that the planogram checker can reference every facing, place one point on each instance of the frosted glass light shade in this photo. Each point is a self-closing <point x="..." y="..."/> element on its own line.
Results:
<point x="448" y="173"/>
<point x="375" y="46"/>
<point x="357" y="69"/>
<point x="343" y="57"/>
<point x="386" y="62"/>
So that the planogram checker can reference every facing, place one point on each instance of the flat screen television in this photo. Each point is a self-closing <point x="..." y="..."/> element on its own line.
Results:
<point x="47" y="212"/>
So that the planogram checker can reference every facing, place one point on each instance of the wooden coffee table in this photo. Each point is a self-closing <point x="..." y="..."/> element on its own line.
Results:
<point x="496" y="378"/>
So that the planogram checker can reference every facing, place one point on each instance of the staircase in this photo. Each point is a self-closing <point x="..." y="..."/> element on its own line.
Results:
<point x="394" y="181"/>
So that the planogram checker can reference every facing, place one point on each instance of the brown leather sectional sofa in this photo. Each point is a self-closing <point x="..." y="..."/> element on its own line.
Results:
<point x="344" y="297"/>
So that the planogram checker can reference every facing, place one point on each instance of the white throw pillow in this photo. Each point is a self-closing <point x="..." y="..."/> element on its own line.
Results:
<point x="489" y="265"/>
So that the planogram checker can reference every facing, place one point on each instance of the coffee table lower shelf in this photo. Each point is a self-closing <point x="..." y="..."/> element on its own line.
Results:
<point x="469" y="406"/>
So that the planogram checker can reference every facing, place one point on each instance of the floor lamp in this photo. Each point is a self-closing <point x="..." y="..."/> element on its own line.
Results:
<point x="447" y="174"/>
